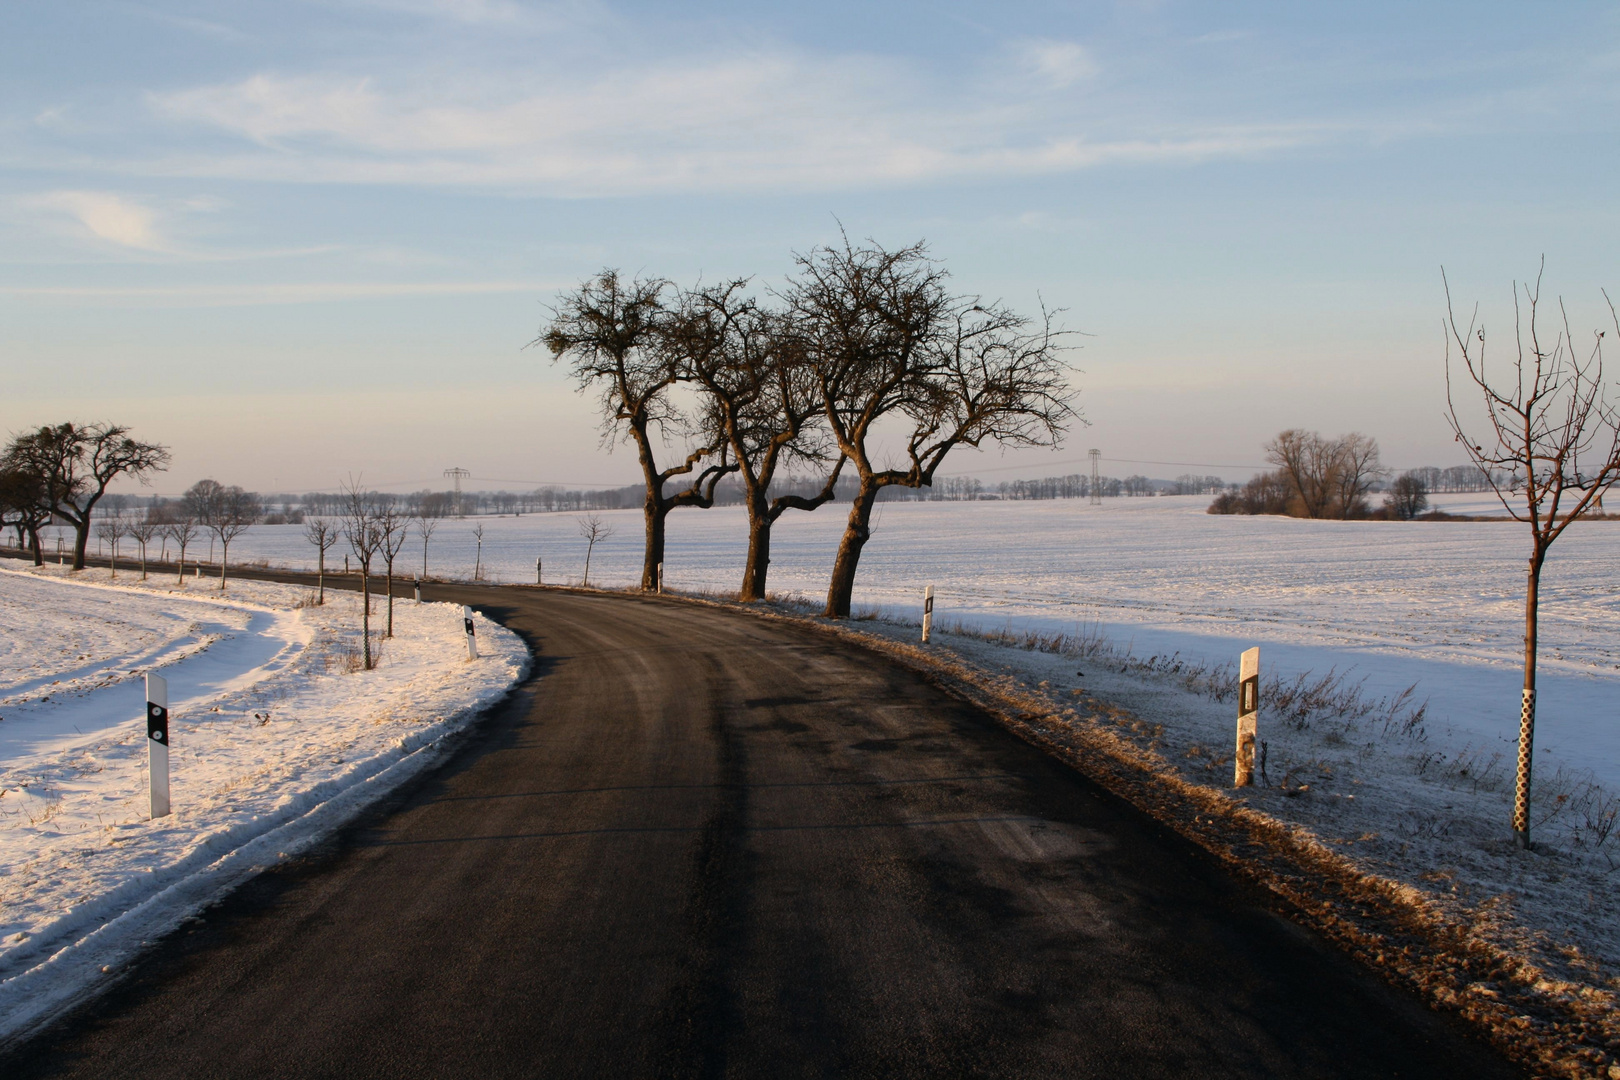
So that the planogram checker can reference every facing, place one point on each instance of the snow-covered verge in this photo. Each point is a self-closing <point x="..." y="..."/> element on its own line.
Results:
<point x="277" y="737"/>
<point x="1384" y="831"/>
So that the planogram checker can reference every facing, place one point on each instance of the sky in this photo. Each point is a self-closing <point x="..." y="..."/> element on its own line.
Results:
<point x="304" y="240"/>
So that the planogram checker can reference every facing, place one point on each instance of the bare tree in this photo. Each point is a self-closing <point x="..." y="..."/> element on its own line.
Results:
<point x="613" y="333"/>
<point x="1356" y="467"/>
<point x="1553" y="436"/>
<point x="594" y="530"/>
<point x="74" y="463"/>
<point x="365" y="539"/>
<point x="22" y="506"/>
<point x="1306" y="461"/>
<point x="764" y="399"/>
<point x="1330" y="478"/>
<point x="226" y="512"/>
<point x="888" y="342"/>
<point x="323" y="534"/>
<point x="1408" y="497"/>
<point x="110" y="530"/>
<point x="182" y="530"/>
<point x="393" y="527"/>
<point x="478" y="559"/>
<point x="142" y="530"/>
<point x="425" y="524"/>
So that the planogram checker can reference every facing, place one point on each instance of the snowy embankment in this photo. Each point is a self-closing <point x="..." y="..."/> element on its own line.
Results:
<point x="277" y="736"/>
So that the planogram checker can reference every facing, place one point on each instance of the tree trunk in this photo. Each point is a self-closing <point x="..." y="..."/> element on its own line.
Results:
<point x="856" y="534"/>
<point x="224" y="557"/>
<point x="759" y="548"/>
<point x="81" y="541"/>
<point x="365" y="617"/>
<point x="390" y="599"/>
<point x="1527" y="704"/>
<point x="39" y="555"/>
<point x="320" y="576"/>
<point x="655" y="510"/>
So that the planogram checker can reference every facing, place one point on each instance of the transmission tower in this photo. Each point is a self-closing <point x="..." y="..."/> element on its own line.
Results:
<point x="456" y="475"/>
<point x="1096" y="478"/>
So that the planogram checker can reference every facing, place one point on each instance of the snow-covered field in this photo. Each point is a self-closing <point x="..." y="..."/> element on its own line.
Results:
<point x="1436" y="604"/>
<point x="275" y="739"/>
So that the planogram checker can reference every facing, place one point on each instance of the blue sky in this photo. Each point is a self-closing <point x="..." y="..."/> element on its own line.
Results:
<point x="301" y="239"/>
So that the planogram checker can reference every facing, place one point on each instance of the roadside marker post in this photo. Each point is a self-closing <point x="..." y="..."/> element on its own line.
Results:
<point x="472" y="635"/>
<point x="157" y="742"/>
<point x="928" y="612"/>
<point x="539" y="572"/>
<point x="418" y="590"/>
<point x="1248" y="717"/>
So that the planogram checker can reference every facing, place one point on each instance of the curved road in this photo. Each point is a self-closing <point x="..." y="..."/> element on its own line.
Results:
<point x="697" y="843"/>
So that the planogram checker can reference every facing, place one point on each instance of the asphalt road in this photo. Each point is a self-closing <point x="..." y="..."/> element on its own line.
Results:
<point x="697" y="843"/>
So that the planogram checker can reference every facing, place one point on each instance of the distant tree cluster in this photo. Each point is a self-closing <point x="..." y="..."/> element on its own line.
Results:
<point x="863" y="364"/>
<point x="1315" y="478"/>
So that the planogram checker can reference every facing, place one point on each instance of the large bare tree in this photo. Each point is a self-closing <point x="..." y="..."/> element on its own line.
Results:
<point x="74" y="464"/>
<point x="1550" y="450"/>
<point x="611" y="331"/>
<point x="889" y="343"/>
<point x="765" y="400"/>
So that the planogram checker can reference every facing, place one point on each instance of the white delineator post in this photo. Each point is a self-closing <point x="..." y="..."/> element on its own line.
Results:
<point x="472" y="635"/>
<point x="928" y="612"/>
<point x="157" y="742"/>
<point x="1248" y="717"/>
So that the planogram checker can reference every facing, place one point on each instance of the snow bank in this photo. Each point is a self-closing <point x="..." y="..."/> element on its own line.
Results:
<point x="277" y="737"/>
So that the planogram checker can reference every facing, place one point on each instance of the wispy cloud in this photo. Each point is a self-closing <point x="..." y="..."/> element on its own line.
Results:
<point x="105" y="216"/>
<point x="254" y="295"/>
<point x="768" y="120"/>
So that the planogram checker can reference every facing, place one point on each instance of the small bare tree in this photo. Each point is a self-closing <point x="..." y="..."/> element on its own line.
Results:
<point x="425" y="524"/>
<point x="393" y="527"/>
<point x="108" y="531"/>
<point x="478" y="559"/>
<point x="1553" y="436"/>
<point x="365" y="540"/>
<point x="143" y="530"/>
<point x="594" y="530"/>
<point x="182" y="530"/>
<point x="226" y="512"/>
<point x="323" y="534"/>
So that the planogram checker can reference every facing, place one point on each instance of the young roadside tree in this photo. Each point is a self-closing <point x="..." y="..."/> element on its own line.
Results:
<point x="425" y="524"/>
<point x="393" y="528"/>
<point x="323" y="534"/>
<point x="143" y="530"/>
<point x="109" y="530"/>
<point x="1553" y="436"/>
<point x="360" y="529"/>
<point x="612" y="332"/>
<point x="764" y="399"/>
<point x="594" y="530"/>
<point x="887" y="342"/>
<point x="182" y="530"/>
<point x="226" y="512"/>
<point x="478" y="559"/>
<point x="74" y="463"/>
